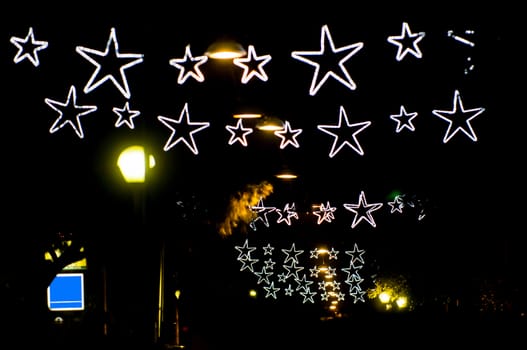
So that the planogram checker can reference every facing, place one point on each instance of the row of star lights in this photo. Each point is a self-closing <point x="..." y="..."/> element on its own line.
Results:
<point x="458" y="119"/>
<point x="325" y="212"/>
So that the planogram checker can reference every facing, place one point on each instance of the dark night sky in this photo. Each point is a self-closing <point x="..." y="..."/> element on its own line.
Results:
<point x="58" y="181"/>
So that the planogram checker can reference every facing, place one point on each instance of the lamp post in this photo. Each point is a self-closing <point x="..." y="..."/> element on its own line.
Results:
<point x="134" y="164"/>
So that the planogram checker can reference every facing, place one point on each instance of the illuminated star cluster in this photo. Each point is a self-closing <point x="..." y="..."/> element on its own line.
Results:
<point x="318" y="275"/>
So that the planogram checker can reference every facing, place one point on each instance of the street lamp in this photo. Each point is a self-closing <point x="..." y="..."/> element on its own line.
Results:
<point x="134" y="164"/>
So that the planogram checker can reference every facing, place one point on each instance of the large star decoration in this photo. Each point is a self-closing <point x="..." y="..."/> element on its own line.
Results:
<point x="238" y="133"/>
<point x="125" y="116"/>
<point x="182" y="123"/>
<point x="356" y="128"/>
<point x="110" y="58"/>
<point x="288" y="136"/>
<point x="28" y="48"/>
<point x="404" y="120"/>
<point x="363" y="210"/>
<point x="189" y="66"/>
<point x="69" y="113"/>
<point x="407" y="42"/>
<point x="459" y="119"/>
<point x="326" y="56"/>
<point x="252" y="65"/>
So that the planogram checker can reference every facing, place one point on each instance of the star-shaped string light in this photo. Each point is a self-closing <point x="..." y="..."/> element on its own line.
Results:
<point x="396" y="205"/>
<point x="125" y="115"/>
<point x="325" y="213"/>
<point x="238" y="133"/>
<point x="290" y="213"/>
<point x="342" y="55"/>
<point x="292" y="254"/>
<point x="355" y="128"/>
<point x="459" y="119"/>
<point x="288" y="136"/>
<point x="189" y="66"/>
<point x="356" y="254"/>
<point x="407" y="42"/>
<point x="261" y="210"/>
<point x="252" y="65"/>
<point x="69" y="112"/>
<point x="268" y="249"/>
<point x="404" y="120"/>
<point x="182" y="123"/>
<point x="363" y="210"/>
<point x="271" y="291"/>
<point x="28" y="48"/>
<point x="105" y="61"/>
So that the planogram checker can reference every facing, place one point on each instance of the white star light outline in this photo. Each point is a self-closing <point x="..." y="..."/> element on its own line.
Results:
<point x="325" y="213"/>
<point x="271" y="290"/>
<point x="248" y="73"/>
<point x="22" y="44"/>
<point x="454" y="125"/>
<point x="133" y="59"/>
<point x="325" y="36"/>
<point x="186" y="139"/>
<point x="245" y="250"/>
<point x="357" y="127"/>
<point x="362" y="204"/>
<point x="290" y="211"/>
<point x="125" y="116"/>
<point x="402" y="49"/>
<point x="356" y="254"/>
<point x="396" y="205"/>
<point x="63" y="119"/>
<point x="181" y="63"/>
<point x="261" y="210"/>
<point x="292" y="253"/>
<point x="404" y="119"/>
<point x="238" y="133"/>
<point x="288" y="136"/>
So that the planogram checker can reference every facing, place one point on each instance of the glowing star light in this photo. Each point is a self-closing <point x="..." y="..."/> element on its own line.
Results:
<point x="68" y="113"/>
<point x="355" y="129"/>
<point x="261" y="211"/>
<point x="459" y="120"/>
<point x="28" y="48"/>
<point x="404" y="120"/>
<point x="325" y="213"/>
<point x="289" y="211"/>
<point x="238" y="133"/>
<point x="189" y="66"/>
<point x="111" y="58"/>
<point x="183" y="124"/>
<point x="342" y="54"/>
<point x="126" y="116"/>
<point x="288" y="136"/>
<point x="363" y="210"/>
<point x="252" y="65"/>
<point x="407" y="42"/>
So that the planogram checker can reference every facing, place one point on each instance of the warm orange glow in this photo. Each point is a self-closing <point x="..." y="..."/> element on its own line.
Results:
<point x="240" y="213"/>
<point x="225" y="50"/>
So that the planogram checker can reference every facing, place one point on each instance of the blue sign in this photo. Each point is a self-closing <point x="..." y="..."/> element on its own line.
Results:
<point x="66" y="292"/>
